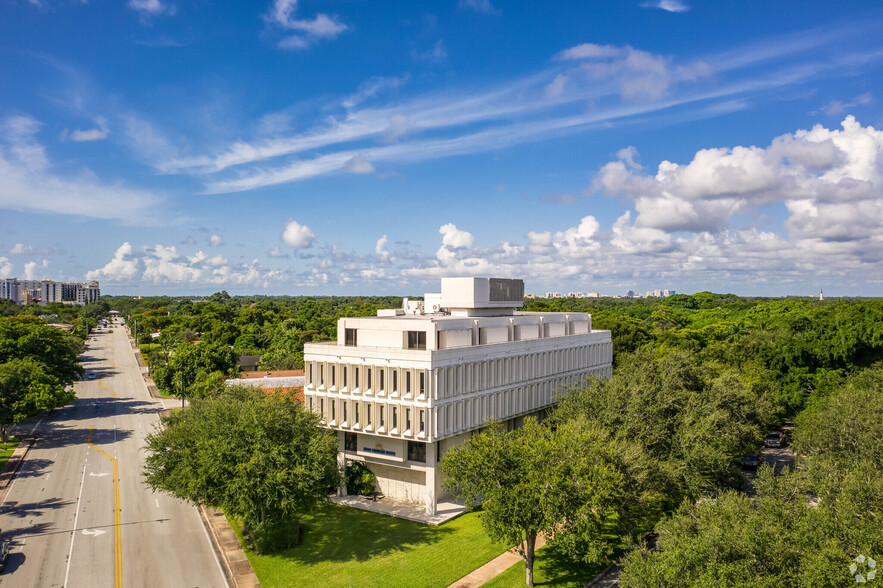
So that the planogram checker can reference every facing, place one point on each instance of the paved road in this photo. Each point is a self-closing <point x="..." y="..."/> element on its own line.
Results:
<point x="78" y="512"/>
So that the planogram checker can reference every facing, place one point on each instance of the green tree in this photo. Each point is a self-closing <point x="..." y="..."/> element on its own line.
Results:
<point x="190" y="363"/>
<point x="260" y="457"/>
<point x="23" y="337"/>
<point x="27" y="387"/>
<point x="583" y="490"/>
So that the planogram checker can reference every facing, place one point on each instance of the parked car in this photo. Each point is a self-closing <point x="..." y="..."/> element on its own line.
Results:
<point x="750" y="462"/>
<point x="91" y="375"/>
<point x="4" y="552"/>
<point x="774" y="439"/>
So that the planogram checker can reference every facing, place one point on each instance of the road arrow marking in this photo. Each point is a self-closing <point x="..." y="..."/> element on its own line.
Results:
<point x="96" y="532"/>
<point x="94" y="475"/>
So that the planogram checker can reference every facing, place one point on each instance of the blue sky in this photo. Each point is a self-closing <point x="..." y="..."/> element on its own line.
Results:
<point x="354" y="147"/>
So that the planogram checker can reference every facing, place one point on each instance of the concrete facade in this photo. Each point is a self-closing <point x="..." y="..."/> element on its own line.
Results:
<point x="403" y="387"/>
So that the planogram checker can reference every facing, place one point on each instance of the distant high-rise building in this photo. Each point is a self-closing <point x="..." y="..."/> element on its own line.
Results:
<point x="46" y="291"/>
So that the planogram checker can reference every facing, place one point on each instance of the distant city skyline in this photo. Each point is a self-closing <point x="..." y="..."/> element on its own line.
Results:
<point x="347" y="148"/>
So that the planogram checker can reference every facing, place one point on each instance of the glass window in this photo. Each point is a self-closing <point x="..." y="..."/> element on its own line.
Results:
<point x="417" y="451"/>
<point x="382" y="372"/>
<point x="407" y="419"/>
<point x="344" y="411"/>
<point x="350" y="442"/>
<point x="368" y="379"/>
<point x="395" y="417"/>
<point x="395" y="380"/>
<point x="407" y="382"/>
<point x="380" y="417"/>
<point x="422" y="422"/>
<point x="416" y="339"/>
<point x="333" y="376"/>
<point x="333" y="410"/>
<point x="356" y="414"/>
<point x="421" y="389"/>
<point x="368" y="414"/>
<point x="350" y="337"/>
<point x="321" y="375"/>
<point x="345" y="374"/>
<point x="355" y="377"/>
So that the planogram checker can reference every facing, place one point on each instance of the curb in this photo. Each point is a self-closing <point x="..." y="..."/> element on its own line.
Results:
<point x="13" y="465"/>
<point x="226" y="545"/>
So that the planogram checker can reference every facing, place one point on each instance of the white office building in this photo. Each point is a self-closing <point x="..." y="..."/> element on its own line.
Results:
<point x="46" y="291"/>
<point x="404" y="386"/>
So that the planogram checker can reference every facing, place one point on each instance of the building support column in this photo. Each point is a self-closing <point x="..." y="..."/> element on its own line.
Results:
<point x="341" y="464"/>
<point x="431" y="465"/>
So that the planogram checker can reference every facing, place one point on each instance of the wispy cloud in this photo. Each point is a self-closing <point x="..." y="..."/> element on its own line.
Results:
<point x="30" y="182"/>
<point x="308" y="31"/>
<point x="437" y="54"/>
<point x="152" y="7"/>
<point x="667" y="5"/>
<point x="482" y="6"/>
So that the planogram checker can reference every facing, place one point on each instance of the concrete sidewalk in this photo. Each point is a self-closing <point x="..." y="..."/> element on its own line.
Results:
<point x="493" y="568"/>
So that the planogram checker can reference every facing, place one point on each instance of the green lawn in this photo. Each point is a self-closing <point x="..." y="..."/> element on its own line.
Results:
<point x="549" y="569"/>
<point x="6" y="450"/>
<point x="346" y="547"/>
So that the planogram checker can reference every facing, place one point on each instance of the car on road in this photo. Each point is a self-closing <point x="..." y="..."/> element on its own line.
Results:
<point x="750" y="462"/>
<point x="774" y="439"/>
<point x="91" y="375"/>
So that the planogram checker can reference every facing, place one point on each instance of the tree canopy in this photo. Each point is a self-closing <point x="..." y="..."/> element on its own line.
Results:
<point x="260" y="457"/>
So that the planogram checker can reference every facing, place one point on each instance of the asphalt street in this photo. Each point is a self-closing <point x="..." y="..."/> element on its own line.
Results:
<point x="78" y="512"/>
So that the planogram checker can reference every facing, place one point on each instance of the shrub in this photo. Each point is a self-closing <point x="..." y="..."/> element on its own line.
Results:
<point x="359" y="479"/>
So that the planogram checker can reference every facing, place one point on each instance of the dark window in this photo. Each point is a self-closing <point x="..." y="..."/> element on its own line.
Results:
<point x="380" y="417"/>
<point x="350" y="442"/>
<point x="416" y="339"/>
<point x="344" y="411"/>
<point x="344" y="376"/>
<point x="321" y="375"/>
<point x="368" y="414"/>
<point x="309" y="373"/>
<point x="333" y="376"/>
<point x="407" y="382"/>
<point x="368" y="379"/>
<point x="422" y="388"/>
<point x="333" y="410"/>
<point x="422" y="422"/>
<point x="417" y="451"/>
<point x="407" y="419"/>
<point x="356" y="414"/>
<point x="395" y="381"/>
<point x="395" y="417"/>
<point x="382" y="371"/>
<point x="355" y="377"/>
<point x="350" y="337"/>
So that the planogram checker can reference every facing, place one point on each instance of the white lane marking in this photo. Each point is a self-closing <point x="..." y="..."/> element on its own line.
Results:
<point x="94" y="533"/>
<point x="70" y="553"/>
<point x="37" y="425"/>
<point x="157" y="502"/>
<point x="94" y="475"/>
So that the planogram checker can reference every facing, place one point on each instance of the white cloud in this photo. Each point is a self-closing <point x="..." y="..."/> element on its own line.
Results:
<point x="31" y="270"/>
<point x="358" y="165"/>
<point x="22" y="249"/>
<point x="215" y="240"/>
<point x="152" y="7"/>
<point x="556" y="86"/>
<point x="437" y="54"/>
<point x="30" y="183"/>
<point x="275" y="252"/>
<point x="123" y="267"/>
<point x="667" y="5"/>
<point x="310" y="31"/>
<point x="380" y="248"/>
<point x="454" y="237"/>
<point x="297" y="235"/>
<point x="373" y="87"/>
<point x="88" y="135"/>
<point x="5" y="268"/>
<point x="482" y="6"/>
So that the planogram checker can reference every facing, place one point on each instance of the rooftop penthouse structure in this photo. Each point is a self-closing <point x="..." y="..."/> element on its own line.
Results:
<point x="404" y="386"/>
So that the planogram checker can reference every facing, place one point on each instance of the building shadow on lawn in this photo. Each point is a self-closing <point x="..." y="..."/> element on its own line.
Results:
<point x="341" y="534"/>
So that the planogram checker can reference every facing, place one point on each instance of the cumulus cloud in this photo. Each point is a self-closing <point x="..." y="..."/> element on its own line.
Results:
<point x="88" y="135"/>
<point x="30" y="270"/>
<point x="819" y="174"/>
<point x="5" y="268"/>
<point x="297" y="235"/>
<point x="275" y="252"/>
<point x="22" y="249"/>
<point x="380" y="248"/>
<point x="215" y="240"/>
<point x="308" y="31"/>
<point x="454" y="237"/>
<point x="121" y="268"/>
